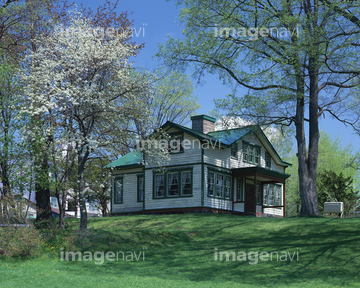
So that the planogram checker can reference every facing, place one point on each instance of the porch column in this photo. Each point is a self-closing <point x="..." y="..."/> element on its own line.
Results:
<point x="284" y="200"/>
<point x="255" y="194"/>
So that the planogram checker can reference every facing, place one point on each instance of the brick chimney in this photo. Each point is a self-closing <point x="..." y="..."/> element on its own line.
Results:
<point x="203" y="123"/>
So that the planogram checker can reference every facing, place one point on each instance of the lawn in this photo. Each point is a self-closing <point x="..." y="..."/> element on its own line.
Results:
<point x="181" y="251"/>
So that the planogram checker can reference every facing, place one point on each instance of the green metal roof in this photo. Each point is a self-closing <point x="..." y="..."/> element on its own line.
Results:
<point x="230" y="136"/>
<point x="134" y="158"/>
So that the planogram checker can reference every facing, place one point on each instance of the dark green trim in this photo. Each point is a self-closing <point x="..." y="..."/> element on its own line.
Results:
<point x="144" y="188"/>
<point x="111" y="194"/>
<point x="202" y="177"/>
<point x="206" y="117"/>
<point x="138" y="187"/>
<point x="217" y="169"/>
<point x="122" y="189"/>
<point x="127" y="166"/>
<point x="165" y="173"/>
<point x="260" y="170"/>
<point x="190" y="165"/>
<point x="126" y="173"/>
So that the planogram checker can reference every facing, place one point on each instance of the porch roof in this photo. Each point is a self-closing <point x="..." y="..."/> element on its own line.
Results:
<point x="265" y="173"/>
<point x="134" y="158"/>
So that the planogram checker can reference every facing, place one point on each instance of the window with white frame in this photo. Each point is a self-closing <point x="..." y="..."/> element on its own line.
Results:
<point x="211" y="183"/>
<point x="219" y="185"/>
<point x="173" y="184"/>
<point x="272" y="195"/>
<point x="251" y="153"/>
<point x="118" y="190"/>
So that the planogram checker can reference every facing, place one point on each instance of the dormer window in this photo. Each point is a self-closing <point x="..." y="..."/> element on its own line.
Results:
<point x="234" y="150"/>
<point x="267" y="160"/>
<point x="251" y="153"/>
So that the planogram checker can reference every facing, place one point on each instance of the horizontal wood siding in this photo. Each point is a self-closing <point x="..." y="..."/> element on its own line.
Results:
<point x="239" y="207"/>
<point x="192" y="153"/>
<point x="258" y="208"/>
<point x="274" y="211"/>
<point x="175" y="202"/>
<point x="129" y="203"/>
<point x="222" y="157"/>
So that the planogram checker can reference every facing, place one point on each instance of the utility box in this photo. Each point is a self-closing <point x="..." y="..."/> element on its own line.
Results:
<point x="334" y="207"/>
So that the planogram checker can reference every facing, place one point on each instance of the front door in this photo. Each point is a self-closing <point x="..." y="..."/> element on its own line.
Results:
<point x="249" y="199"/>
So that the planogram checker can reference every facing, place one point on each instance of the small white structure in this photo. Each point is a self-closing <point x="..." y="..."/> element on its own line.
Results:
<point x="334" y="207"/>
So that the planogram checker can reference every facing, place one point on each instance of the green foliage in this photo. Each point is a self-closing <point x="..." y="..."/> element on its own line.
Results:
<point x="335" y="187"/>
<point x="20" y="241"/>
<point x="332" y="157"/>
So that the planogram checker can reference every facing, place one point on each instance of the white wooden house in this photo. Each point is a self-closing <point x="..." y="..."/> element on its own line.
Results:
<point x="230" y="171"/>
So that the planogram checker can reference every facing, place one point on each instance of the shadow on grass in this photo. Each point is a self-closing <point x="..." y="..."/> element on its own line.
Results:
<point x="183" y="247"/>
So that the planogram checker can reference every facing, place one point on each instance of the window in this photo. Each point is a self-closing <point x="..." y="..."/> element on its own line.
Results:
<point x="258" y="195"/>
<point x="173" y="184"/>
<point x="140" y="182"/>
<point x="211" y="183"/>
<point x="186" y="183"/>
<point x="234" y="150"/>
<point x="219" y="185"/>
<point x="267" y="160"/>
<point x="265" y="195"/>
<point x="159" y="185"/>
<point x="118" y="190"/>
<point x="175" y="142"/>
<point x="251" y="153"/>
<point x="54" y="202"/>
<point x="240" y="191"/>
<point x="277" y="195"/>
<point x="272" y="195"/>
<point x="228" y="187"/>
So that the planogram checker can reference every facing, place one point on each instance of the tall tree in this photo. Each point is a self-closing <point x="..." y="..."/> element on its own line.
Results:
<point x="85" y="86"/>
<point x="297" y="60"/>
<point x="332" y="157"/>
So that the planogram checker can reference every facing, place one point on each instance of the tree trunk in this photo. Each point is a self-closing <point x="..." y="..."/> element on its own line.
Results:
<point x="82" y="202"/>
<point x="42" y="190"/>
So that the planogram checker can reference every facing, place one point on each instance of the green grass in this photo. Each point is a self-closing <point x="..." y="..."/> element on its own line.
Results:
<point x="179" y="252"/>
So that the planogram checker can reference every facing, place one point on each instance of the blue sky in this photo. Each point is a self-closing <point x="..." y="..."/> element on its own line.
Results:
<point x="155" y="20"/>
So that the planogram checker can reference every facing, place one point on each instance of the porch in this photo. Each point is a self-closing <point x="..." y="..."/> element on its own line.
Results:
<point x="259" y="191"/>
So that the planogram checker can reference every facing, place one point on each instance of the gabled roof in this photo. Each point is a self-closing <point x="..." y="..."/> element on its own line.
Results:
<point x="132" y="159"/>
<point x="226" y="138"/>
<point x="229" y="136"/>
<point x="194" y="133"/>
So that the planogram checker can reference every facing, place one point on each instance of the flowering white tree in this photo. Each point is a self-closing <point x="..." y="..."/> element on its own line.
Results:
<point x="86" y="89"/>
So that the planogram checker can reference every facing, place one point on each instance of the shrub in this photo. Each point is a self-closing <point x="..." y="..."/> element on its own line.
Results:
<point x="19" y="241"/>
